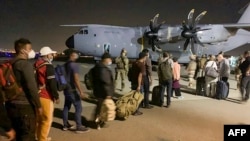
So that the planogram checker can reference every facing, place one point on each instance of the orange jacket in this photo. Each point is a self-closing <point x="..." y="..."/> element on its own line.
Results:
<point x="177" y="71"/>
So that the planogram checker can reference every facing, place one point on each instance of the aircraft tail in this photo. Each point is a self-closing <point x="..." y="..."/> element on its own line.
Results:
<point x="245" y="18"/>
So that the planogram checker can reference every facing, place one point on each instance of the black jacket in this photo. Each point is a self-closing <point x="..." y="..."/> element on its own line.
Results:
<point x="103" y="82"/>
<point x="25" y="77"/>
<point x="244" y="65"/>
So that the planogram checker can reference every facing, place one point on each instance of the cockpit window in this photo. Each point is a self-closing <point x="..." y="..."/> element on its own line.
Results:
<point x="81" y="32"/>
<point x="86" y="31"/>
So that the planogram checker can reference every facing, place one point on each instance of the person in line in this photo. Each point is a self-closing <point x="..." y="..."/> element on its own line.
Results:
<point x="73" y="94"/>
<point x="224" y="68"/>
<point x="197" y="71"/>
<point x="22" y="110"/>
<point x="245" y="81"/>
<point x="176" y="79"/>
<point x="122" y="66"/>
<point x="47" y="91"/>
<point x="103" y="85"/>
<point x="192" y="65"/>
<point x="165" y="75"/>
<point x="203" y="62"/>
<point x="137" y="75"/>
<point x="237" y="71"/>
<point x="147" y="80"/>
<point x="210" y="82"/>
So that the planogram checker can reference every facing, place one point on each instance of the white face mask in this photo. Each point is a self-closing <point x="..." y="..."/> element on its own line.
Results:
<point x="50" y="60"/>
<point x="110" y="63"/>
<point x="31" y="54"/>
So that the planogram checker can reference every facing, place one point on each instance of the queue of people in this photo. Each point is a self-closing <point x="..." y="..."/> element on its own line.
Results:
<point x="29" y="116"/>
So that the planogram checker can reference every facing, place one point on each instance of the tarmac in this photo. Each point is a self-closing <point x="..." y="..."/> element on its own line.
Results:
<point x="193" y="118"/>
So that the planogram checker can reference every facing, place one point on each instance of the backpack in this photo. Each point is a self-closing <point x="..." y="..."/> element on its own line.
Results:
<point x="37" y="68"/>
<point x="60" y="74"/>
<point x="107" y="112"/>
<point x="165" y="71"/>
<point x="128" y="104"/>
<point x="9" y="89"/>
<point x="88" y="79"/>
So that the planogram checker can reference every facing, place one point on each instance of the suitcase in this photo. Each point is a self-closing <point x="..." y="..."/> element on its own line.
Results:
<point x="156" y="96"/>
<point x="200" y="86"/>
<point x="222" y="90"/>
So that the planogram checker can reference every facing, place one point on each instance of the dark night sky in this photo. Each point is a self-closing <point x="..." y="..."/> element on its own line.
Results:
<point x="39" y="20"/>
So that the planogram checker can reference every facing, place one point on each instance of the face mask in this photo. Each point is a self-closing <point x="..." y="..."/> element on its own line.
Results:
<point x="50" y="60"/>
<point x="110" y="63"/>
<point x="31" y="54"/>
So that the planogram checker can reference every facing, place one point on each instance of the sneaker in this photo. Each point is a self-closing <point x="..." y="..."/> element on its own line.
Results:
<point x="101" y="124"/>
<point x="82" y="129"/>
<point x="138" y="113"/>
<point x="148" y="107"/>
<point x="180" y="97"/>
<point x="68" y="127"/>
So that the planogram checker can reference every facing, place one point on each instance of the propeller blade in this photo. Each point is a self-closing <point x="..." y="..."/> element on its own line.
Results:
<point x="153" y="45"/>
<point x="153" y="22"/>
<point x="151" y="25"/>
<point x="199" y="17"/>
<point x="190" y="18"/>
<point x="192" y="45"/>
<point x="186" y="44"/>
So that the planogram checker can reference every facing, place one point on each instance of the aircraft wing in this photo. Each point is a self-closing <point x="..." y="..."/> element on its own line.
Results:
<point x="75" y="25"/>
<point x="237" y="26"/>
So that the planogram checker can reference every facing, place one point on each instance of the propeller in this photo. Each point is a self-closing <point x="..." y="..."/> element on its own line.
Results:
<point x="190" y="29"/>
<point x="152" y="34"/>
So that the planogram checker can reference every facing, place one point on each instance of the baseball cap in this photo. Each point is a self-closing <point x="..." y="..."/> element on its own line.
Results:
<point x="46" y="50"/>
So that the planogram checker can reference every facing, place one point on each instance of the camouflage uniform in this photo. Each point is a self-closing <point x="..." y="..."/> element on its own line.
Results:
<point x="122" y="66"/>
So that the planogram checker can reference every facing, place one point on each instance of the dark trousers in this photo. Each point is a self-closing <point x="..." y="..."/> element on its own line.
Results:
<point x="23" y="120"/>
<point x="145" y="91"/>
<point x="225" y="79"/>
<point x="72" y="98"/>
<point x="166" y="85"/>
<point x="98" y="107"/>
<point x="245" y="87"/>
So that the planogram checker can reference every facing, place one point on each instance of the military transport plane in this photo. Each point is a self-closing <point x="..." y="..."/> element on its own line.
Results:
<point x="95" y="39"/>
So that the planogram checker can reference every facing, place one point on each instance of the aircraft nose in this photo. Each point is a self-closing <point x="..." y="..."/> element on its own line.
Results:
<point x="70" y="42"/>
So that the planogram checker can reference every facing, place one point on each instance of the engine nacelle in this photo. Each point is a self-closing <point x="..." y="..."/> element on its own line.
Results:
<point x="216" y="33"/>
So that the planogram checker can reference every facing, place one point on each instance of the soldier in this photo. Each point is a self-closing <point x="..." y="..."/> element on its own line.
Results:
<point x="122" y="65"/>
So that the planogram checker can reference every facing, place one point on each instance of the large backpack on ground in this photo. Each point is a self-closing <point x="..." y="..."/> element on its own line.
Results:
<point x="200" y="86"/>
<point x="61" y="77"/>
<point x="165" y="71"/>
<point x="156" y="95"/>
<point x="88" y="79"/>
<point x="128" y="104"/>
<point x="9" y="88"/>
<point x="222" y="90"/>
<point x="108" y="112"/>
